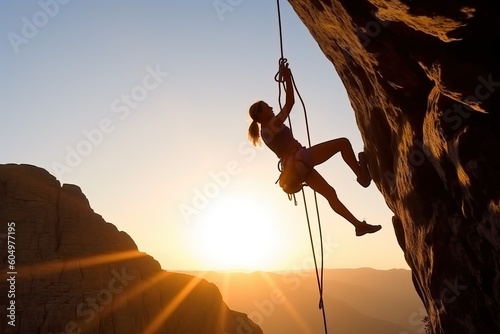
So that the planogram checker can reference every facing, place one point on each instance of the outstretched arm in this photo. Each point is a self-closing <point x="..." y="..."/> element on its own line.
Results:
<point x="290" y="98"/>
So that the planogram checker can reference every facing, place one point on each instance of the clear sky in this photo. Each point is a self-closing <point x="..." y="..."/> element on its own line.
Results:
<point x="144" y="105"/>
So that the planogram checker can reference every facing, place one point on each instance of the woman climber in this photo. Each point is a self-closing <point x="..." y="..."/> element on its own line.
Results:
<point x="293" y="156"/>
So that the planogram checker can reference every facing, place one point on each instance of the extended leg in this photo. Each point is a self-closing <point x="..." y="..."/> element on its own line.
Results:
<point x="318" y="184"/>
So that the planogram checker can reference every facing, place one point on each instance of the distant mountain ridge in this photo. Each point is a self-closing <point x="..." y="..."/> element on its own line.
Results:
<point x="357" y="301"/>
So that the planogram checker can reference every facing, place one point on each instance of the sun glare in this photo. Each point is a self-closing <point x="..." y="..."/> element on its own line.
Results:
<point x="237" y="234"/>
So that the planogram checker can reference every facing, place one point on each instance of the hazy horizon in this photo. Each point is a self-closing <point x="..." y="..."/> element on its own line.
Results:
<point x="355" y="300"/>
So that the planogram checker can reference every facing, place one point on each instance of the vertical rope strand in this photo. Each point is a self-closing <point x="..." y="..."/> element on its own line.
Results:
<point x="319" y="273"/>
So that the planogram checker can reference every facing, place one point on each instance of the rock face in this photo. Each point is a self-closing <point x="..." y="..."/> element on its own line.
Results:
<point x="74" y="273"/>
<point x="423" y="78"/>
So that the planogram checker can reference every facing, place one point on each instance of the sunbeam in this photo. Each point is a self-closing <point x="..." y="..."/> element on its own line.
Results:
<point x="174" y="304"/>
<point x="47" y="268"/>
<point x="295" y="315"/>
<point x="132" y="293"/>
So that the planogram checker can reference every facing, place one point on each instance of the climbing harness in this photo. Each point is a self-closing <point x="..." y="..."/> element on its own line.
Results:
<point x="291" y="177"/>
<point x="319" y="272"/>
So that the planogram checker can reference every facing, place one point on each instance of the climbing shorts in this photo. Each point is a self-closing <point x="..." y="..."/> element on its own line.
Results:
<point x="294" y="170"/>
<point x="303" y="162"/>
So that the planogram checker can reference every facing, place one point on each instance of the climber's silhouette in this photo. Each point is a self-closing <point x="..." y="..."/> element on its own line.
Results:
<point x="298" y="161"/>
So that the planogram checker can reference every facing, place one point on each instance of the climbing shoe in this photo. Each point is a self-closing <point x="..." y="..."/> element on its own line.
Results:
<point x="366" y="228"/>
<point x="365" y="178"/>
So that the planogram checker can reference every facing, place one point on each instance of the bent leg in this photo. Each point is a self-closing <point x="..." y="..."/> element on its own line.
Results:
<point x="318" y="184"/>
<point x="324" y="151"/>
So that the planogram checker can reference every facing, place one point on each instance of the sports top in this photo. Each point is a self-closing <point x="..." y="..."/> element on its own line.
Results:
<point x="281" y="142"/>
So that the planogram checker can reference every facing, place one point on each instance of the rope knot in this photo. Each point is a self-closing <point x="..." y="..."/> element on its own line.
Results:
<point x="282" y="63"/>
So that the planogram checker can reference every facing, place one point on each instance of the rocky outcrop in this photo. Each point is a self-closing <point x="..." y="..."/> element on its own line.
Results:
<point x="69" y="271"/>
<point x="423" y="78"/>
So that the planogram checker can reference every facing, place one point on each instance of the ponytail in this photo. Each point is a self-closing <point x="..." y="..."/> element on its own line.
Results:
<point x="254" y="129"/>
<point x="254" y="133"/>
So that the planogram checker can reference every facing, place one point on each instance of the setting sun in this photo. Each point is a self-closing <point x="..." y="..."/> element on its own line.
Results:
<point x="237" y="233"/>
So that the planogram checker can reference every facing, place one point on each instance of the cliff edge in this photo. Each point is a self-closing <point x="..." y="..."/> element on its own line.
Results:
<point x="423" y="78"/>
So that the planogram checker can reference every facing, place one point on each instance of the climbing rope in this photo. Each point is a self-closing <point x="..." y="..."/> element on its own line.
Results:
<point x="319" y="272"/>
